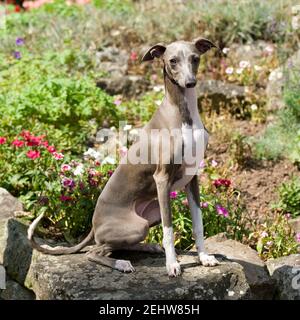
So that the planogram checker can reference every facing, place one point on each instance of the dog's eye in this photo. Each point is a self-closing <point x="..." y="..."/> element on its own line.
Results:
<point x="195" y="59"/>
<point x="173" y="61"/>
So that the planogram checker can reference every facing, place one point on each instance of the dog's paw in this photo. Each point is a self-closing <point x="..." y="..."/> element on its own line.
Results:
<point x="124" y="266"/>
<point x="174" y="269"/>
<point x="208" y="260"/>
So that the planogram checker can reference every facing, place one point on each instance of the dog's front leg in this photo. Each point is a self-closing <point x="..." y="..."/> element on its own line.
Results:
<point x="163" y="193"/>
<point x="192" y="190"/>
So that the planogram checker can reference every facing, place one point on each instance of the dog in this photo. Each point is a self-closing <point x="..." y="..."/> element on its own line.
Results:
<point x="137" y="196"/>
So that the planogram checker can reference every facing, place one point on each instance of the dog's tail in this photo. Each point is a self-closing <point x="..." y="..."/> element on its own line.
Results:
<point x="59" y="249"/>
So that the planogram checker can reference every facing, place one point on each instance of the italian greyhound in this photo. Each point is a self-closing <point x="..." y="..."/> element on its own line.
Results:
<point x="137" y="196"/>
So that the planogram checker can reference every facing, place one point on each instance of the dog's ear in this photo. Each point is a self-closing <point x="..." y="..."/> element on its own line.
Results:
<point x="154" y="52"/>
<point x="203" y="45"/>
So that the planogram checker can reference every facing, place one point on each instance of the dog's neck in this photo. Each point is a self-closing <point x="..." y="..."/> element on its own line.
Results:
<point x="181" y="98"/>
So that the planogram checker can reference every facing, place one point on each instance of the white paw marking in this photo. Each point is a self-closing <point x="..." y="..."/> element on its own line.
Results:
<point x="208" y="260"/>
<point x="174" y="269"/>
<point x="124" y="266"/>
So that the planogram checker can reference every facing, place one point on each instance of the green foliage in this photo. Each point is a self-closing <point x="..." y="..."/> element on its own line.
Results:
<point x="275" y="238"/>
<point x="58" y="100"/>
<point x="282" y="138"/>
<point x="221" y="208"/>
<point x="289" y="197"/>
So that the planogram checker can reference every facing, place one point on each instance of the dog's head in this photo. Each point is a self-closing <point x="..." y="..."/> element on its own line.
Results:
<point x="181" y="59"/>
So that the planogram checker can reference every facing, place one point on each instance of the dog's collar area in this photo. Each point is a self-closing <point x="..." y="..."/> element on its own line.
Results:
<point x="169" y="77"/>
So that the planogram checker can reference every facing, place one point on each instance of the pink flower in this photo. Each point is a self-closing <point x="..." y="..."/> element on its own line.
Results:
<point x="2" y="140"/>
<point x="110" y="172"/>
<point x="264" y="234"/>
<point x="173" y="194"/>
<point x="123" y="151"/>
<point x="58" y="156"/>
<point x="33" y="154"/>
<point x="203" y="204"/>
<point x="117" y="102"/>
<point x="51" y="149"/>
<point x="222" y="211"/>
<point x="298" y="237"/>
<point x="202" y="164"/>
<point x="68" y="183"/>
<point x="214" y="163"/>
<point x="288" y="216"/>
<point x="18" y="143"/>
<point x="64" y="198"/>
<point x="65" y="167"/>
<point x="133" y="56"/>
<point x="229" y="70"/>
<point x="185" y="202"/>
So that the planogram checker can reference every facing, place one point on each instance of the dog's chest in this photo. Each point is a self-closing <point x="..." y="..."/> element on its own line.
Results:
<point x="194" y="141"/>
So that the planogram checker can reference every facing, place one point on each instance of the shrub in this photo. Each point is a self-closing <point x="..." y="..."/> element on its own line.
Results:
<point x="275" y="238"/>
<point x="289" y="197"/>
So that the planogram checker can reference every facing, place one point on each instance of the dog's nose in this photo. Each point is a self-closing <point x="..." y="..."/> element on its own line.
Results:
<point x="190" y="83"/>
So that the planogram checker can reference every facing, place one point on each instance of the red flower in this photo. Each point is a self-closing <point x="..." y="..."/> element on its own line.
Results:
<point x="2" y="140"/>
<point x="222" y="182"/>
<point x="51" y="149"/>
<point x="25" y="134"/>
<point x="64" y="198"/>
<point x="18" y="143"/>
<point x="17" y="9"/>
<point x="33" y="154"/>
<point x="45" y="143"/>
<point x="33" y="141"/>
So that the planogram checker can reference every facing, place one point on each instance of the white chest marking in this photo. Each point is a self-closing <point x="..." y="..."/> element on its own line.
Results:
<point x="194" y="139"/>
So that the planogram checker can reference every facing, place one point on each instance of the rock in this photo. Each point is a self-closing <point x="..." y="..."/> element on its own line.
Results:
<point x="277" y="78"/>
<point x="221" y="94"/>
<point x="295" y="224"/>
<point x="129" y="86"/>
<point x="8" y="204"/>
<point x="51" y="277"/>
<point x="15" y="249"/>
<point x="14" y="291"/>
<point x="262" y="286"/>
<point x="251" y="52"/>
<point x="74" y="277"/>
<point x="286" y="272"/>
<point x="112" y="61"/>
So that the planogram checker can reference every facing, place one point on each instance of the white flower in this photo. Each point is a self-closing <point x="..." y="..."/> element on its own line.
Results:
<point x="127" y="127"/>
<point x="229" y="70"/>
<point x="239" y="70"/>
<point x="158" y="88"/>
<point x="79" y="170"/>
<point x="225" y="50"/>
<point x="295" y="22"/>
<point x="158" y="102"/>
<point x="109" y="160"/>
<point x="134" y="132"/>
<point x="92" y="154"/>
<point x="244" y="64"/>
<point x="269" y="49"/>
<point x="296" y="9"/>
<point x="257" y="68"/>
<point x="253" y="107"/>
<point x="264" y="234"/>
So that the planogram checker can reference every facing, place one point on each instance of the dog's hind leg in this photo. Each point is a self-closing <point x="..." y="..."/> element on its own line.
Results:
<point x="145" y="247"/>
<point x="101" y="254"/>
